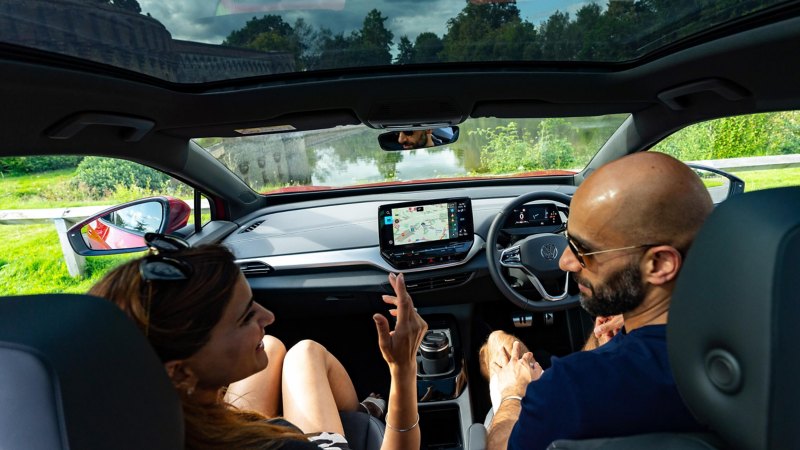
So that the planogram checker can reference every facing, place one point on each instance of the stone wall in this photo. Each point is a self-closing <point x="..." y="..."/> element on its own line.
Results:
<point x="113" y="36"/>
<point x="266" y="161"/>
<point x="275" y="160"/>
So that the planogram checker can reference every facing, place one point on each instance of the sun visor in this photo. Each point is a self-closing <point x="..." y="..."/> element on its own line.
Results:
<point x="300" y="121"/>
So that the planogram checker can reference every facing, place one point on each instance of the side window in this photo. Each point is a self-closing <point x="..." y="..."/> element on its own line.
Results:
<point x="41" y="197"/>
<point x="761" y="149"/>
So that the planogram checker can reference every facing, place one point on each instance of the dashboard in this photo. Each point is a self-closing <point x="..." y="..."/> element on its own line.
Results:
<point x="307" y="258"/>
<point x="349" y="232"/>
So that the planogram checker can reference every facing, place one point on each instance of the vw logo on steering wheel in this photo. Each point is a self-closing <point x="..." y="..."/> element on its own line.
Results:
<point x="549" y="251"/>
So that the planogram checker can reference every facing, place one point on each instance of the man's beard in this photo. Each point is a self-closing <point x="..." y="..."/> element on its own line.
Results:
<point x="422" y="141"/>
<point x="622" y="292"/>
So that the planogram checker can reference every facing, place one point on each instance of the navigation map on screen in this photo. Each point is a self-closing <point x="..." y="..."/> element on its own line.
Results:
<point x="424" y="223"/>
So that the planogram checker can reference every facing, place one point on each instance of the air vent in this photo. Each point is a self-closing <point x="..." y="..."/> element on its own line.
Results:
<point x="256" y="269"/>
<point x="442" y="282"/>
<point x="252" y="227"/>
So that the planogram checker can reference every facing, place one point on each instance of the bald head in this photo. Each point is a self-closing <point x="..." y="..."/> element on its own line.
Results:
<point x="646" y="198"/>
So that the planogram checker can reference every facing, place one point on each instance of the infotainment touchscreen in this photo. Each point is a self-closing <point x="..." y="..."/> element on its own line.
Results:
<point x="425" y="223"/>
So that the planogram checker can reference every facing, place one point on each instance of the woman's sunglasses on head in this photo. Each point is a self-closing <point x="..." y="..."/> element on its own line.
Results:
<point x="158" y="265"/>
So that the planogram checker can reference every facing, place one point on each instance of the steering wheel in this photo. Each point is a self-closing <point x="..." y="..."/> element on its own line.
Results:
<point x="537" y="256"/>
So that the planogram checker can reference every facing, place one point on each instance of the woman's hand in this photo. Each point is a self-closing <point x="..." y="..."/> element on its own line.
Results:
<point x="399" y="347"/>
<point x="607" y="327"/>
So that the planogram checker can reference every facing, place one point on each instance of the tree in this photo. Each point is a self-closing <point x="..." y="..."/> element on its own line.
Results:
<point x="405" y="51"/>
<point x="369" y="46"/>
<point x="271" y="23"/>
<point x="427" y="47"/>
<point x="488" y="32"/>
<point x="129" y="5"/>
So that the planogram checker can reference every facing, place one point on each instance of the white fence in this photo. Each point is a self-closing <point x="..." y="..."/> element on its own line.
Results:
<point x="64" y="218"/>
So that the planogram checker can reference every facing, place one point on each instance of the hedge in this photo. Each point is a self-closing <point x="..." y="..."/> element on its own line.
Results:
<point x="103" y="174"/>
<point x="33" y="164"/>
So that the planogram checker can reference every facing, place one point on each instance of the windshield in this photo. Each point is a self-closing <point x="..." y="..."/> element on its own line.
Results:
<point x="350" y="156"/>
<point x="197" y="41"/>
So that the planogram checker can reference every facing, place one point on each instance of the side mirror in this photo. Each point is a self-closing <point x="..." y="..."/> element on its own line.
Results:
<point x="417" y="138"/>
<point x="721" y="185"/>
<point x="121" y="229"/>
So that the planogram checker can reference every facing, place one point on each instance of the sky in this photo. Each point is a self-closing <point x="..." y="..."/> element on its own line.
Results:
<point x="194" y="20"/>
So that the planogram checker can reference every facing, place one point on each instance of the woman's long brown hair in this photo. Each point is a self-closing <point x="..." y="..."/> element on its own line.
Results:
<point x="177" y="323"/>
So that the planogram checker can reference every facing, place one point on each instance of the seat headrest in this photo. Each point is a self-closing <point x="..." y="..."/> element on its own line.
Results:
<point x="76" y="373"/>
<point x="734" y="322"/>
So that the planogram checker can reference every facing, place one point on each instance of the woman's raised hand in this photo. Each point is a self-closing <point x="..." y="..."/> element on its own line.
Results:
<point x="399" y="347"/>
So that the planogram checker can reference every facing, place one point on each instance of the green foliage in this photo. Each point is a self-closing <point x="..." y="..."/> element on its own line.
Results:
<point x="736" y="137"/>
<point x="269" y="24"/>
<point x="104" y="174"/>
<point x="129" y="5"/>
<point x="489" y="32"/>
<point x="425" y="49"/>
<point x="322" y="49"/>
<point x="405" y="51"/>
<point x="35" y="164"/>
<point x="509" y="151"/>
<point x="494" y="31"/>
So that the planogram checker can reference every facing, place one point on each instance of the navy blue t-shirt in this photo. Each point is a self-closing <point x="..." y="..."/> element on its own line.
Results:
<point x="622" y="388"/>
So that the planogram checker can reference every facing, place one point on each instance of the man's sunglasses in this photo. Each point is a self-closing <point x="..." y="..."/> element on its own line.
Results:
<point x="158" y="266"/>
<point x="408" y="133"/>
<point x="580" y="254"/>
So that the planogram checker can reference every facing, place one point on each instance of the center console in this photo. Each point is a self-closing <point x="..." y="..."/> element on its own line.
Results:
<point x="445" y="409"/>
<point x="425" y="233"/>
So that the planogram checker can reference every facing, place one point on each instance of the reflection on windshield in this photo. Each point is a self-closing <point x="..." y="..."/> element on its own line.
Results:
<point x="350" y="156"/>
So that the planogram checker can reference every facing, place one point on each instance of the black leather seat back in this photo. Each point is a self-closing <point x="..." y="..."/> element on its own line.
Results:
<point x="76" y="373"/>
<point x="734" y="323"/>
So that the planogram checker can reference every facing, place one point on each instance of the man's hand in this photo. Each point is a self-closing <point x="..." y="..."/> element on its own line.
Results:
<point x="514" y="373"/>
<point x="607" y="327"/>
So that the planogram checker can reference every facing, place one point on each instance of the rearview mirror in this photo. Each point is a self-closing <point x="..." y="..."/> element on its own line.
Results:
<point x="121" y="229"/>
<point x="417" y="138"/>
<point x="721" y="185"/>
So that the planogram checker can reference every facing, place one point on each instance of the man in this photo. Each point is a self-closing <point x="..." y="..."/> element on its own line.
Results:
<point x="417" y="139"/>
<point x="630" y="226"/>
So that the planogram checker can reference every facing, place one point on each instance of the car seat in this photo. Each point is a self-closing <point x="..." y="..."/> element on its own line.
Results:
<point x="77" y="374"/>
<point x="733" y="331"/>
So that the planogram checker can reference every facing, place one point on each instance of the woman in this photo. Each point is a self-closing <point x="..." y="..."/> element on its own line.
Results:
<point x="196" y="309"/>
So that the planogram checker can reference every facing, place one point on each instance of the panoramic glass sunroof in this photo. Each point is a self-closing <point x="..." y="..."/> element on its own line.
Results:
<point x="197" y="41"/>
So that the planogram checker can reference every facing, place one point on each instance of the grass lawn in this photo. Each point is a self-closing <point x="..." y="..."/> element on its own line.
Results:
<point x="767" y="179"/>
<point x="31" y="262"/>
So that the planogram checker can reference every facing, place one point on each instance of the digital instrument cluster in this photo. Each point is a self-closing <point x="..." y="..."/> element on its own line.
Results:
<point x="536" y="216"/>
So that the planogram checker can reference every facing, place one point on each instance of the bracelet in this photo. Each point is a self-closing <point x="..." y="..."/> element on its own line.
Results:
<point x="511" y="397"/>
<point x="386" y="419"/>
